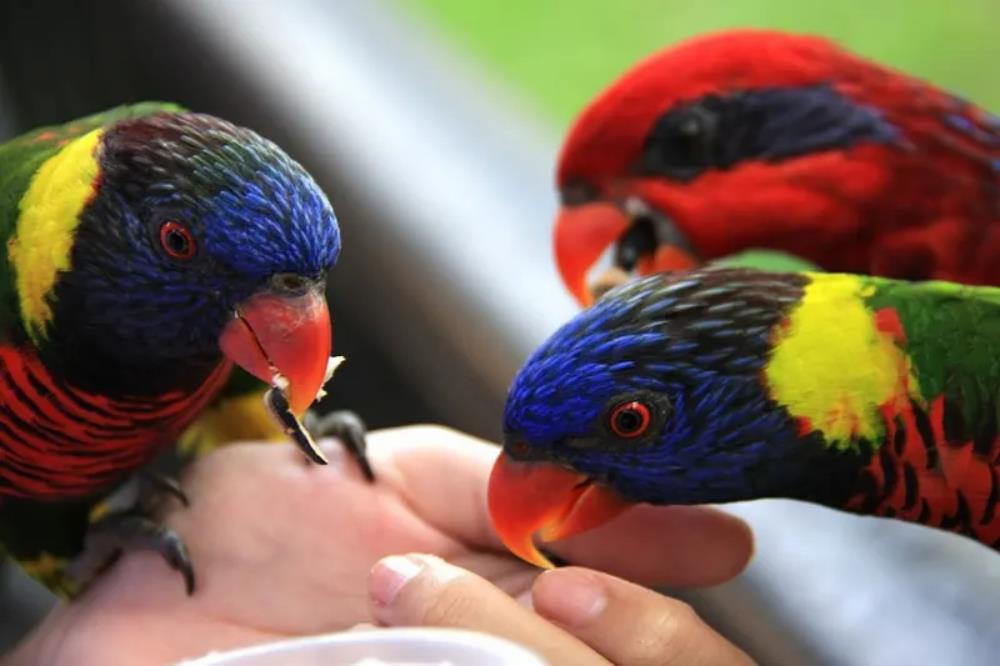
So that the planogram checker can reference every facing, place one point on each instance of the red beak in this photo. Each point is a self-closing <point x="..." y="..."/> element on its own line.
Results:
<point x="582" y="235"/>
<point x="283" y="334"/>
<point x="555" y="502"/>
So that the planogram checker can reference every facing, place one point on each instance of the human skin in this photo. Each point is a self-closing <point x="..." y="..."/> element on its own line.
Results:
<point x="283" y="548"/>
<point x="581" y="616"/>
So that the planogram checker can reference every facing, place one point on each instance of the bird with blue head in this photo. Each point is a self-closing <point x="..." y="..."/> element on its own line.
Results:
<point x="155" y="258"/>
<point x="726" y="384"/>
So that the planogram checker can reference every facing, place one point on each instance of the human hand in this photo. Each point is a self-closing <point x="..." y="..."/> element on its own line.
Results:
<point x="581" y="617"/>
<point x="283" y="548"/>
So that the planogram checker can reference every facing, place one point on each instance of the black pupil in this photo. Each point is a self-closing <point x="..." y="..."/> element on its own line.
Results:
<point x="685" y="147"/>
<point x="177" y="242"/>
<point x="628" y="420"/>
<point x="681" y="143"/>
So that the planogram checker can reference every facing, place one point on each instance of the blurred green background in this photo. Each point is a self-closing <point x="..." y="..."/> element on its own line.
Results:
<point x="561" y="52"/>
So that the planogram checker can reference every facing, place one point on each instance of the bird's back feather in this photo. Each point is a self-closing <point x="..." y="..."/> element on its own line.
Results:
<point x="908" y="374"/>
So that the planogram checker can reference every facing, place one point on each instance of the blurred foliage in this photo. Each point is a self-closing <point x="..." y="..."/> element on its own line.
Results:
<point x="561" y="52"/>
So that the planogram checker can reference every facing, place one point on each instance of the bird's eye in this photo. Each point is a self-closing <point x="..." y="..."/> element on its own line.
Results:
<point x="681" y="144"/>
<point x="177" y="240"/>
<point x="630" y="419"/>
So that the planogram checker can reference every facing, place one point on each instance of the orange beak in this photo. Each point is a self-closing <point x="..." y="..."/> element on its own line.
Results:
<point x="283" y="334"/>
<point x="583" y="233"/>
<point x="554" y="502"/>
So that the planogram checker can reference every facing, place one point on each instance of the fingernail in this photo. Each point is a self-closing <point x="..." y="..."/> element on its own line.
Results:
<point x="569" y="596"/>
<point x="389" y="575"/>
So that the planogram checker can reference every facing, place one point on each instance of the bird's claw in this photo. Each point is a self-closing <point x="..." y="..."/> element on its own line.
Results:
<point x="118" y="532"/>
<point x="349" y="429"/>
<point x="344" y="425"/>
<point x="154" y="486"/>
<point x="125" y="522"/>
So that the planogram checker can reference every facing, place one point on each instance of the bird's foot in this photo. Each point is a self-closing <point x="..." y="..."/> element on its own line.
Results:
<point x="344" y="425"/>
<point x="125" y="521"/>
<point x="145" y="492"/>
<point x="349" y="429"/>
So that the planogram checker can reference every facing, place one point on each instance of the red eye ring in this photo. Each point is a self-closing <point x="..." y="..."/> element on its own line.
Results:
<point x="177" y="240"/>
<point x="630" y="419"/>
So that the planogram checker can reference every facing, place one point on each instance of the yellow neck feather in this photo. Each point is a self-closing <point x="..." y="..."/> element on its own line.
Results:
<point x="832" y="366"/>
<point x="49" y="214"/>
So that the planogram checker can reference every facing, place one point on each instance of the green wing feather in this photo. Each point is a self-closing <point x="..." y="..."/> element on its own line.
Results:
<point x="953" y="341"/>
<point x="767" y="260"/>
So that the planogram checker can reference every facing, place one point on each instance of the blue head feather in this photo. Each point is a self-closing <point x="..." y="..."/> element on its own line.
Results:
<point x="692" y="349"/>
<point x="251" y="210"/>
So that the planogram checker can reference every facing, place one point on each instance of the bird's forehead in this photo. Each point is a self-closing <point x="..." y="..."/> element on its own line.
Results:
<point x="256" y="208"/>
<point x="558" y="394"/>
<point x="272" y="224"/>
<point x="567" y="382"/>
<point x="617" y="122"/>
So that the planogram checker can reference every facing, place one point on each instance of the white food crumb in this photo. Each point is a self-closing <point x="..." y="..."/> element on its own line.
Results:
<point x="331" y="366"/>
<point x="280" y="382"/>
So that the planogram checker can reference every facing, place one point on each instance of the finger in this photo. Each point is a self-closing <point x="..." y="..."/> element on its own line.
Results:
<point x="443" y="474"/>
<point x="440" y="473"/>
<point x="628" y="624"/>
<point x="676" y="545"/>
<point x="421" y="590"/>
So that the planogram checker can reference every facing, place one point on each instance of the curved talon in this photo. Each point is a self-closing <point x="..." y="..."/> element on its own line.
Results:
<point x="164" y="484"/>
<point x="350" y="429"/>
<point x="176" y="554"/>
<point x="118" y="532"/>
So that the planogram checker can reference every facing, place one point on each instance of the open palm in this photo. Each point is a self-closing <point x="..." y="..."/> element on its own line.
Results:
<point x="283" y="548"/>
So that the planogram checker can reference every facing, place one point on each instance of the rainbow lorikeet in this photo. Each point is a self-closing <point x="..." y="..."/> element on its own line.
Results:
<point x="149" y="251"/>
<point x="759" y="139"/>
<point x="717" y="385"/>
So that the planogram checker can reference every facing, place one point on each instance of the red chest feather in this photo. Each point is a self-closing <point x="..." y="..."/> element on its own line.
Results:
<point x="57" y="441"/>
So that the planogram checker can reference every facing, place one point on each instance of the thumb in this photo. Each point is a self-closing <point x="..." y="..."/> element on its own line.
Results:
<point x="422" y="590"/>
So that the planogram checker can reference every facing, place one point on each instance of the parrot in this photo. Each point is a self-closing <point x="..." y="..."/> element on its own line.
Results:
<point x="760" y="139"/>
<point x="720" y="384"/>
<point x="162" y="269"/>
